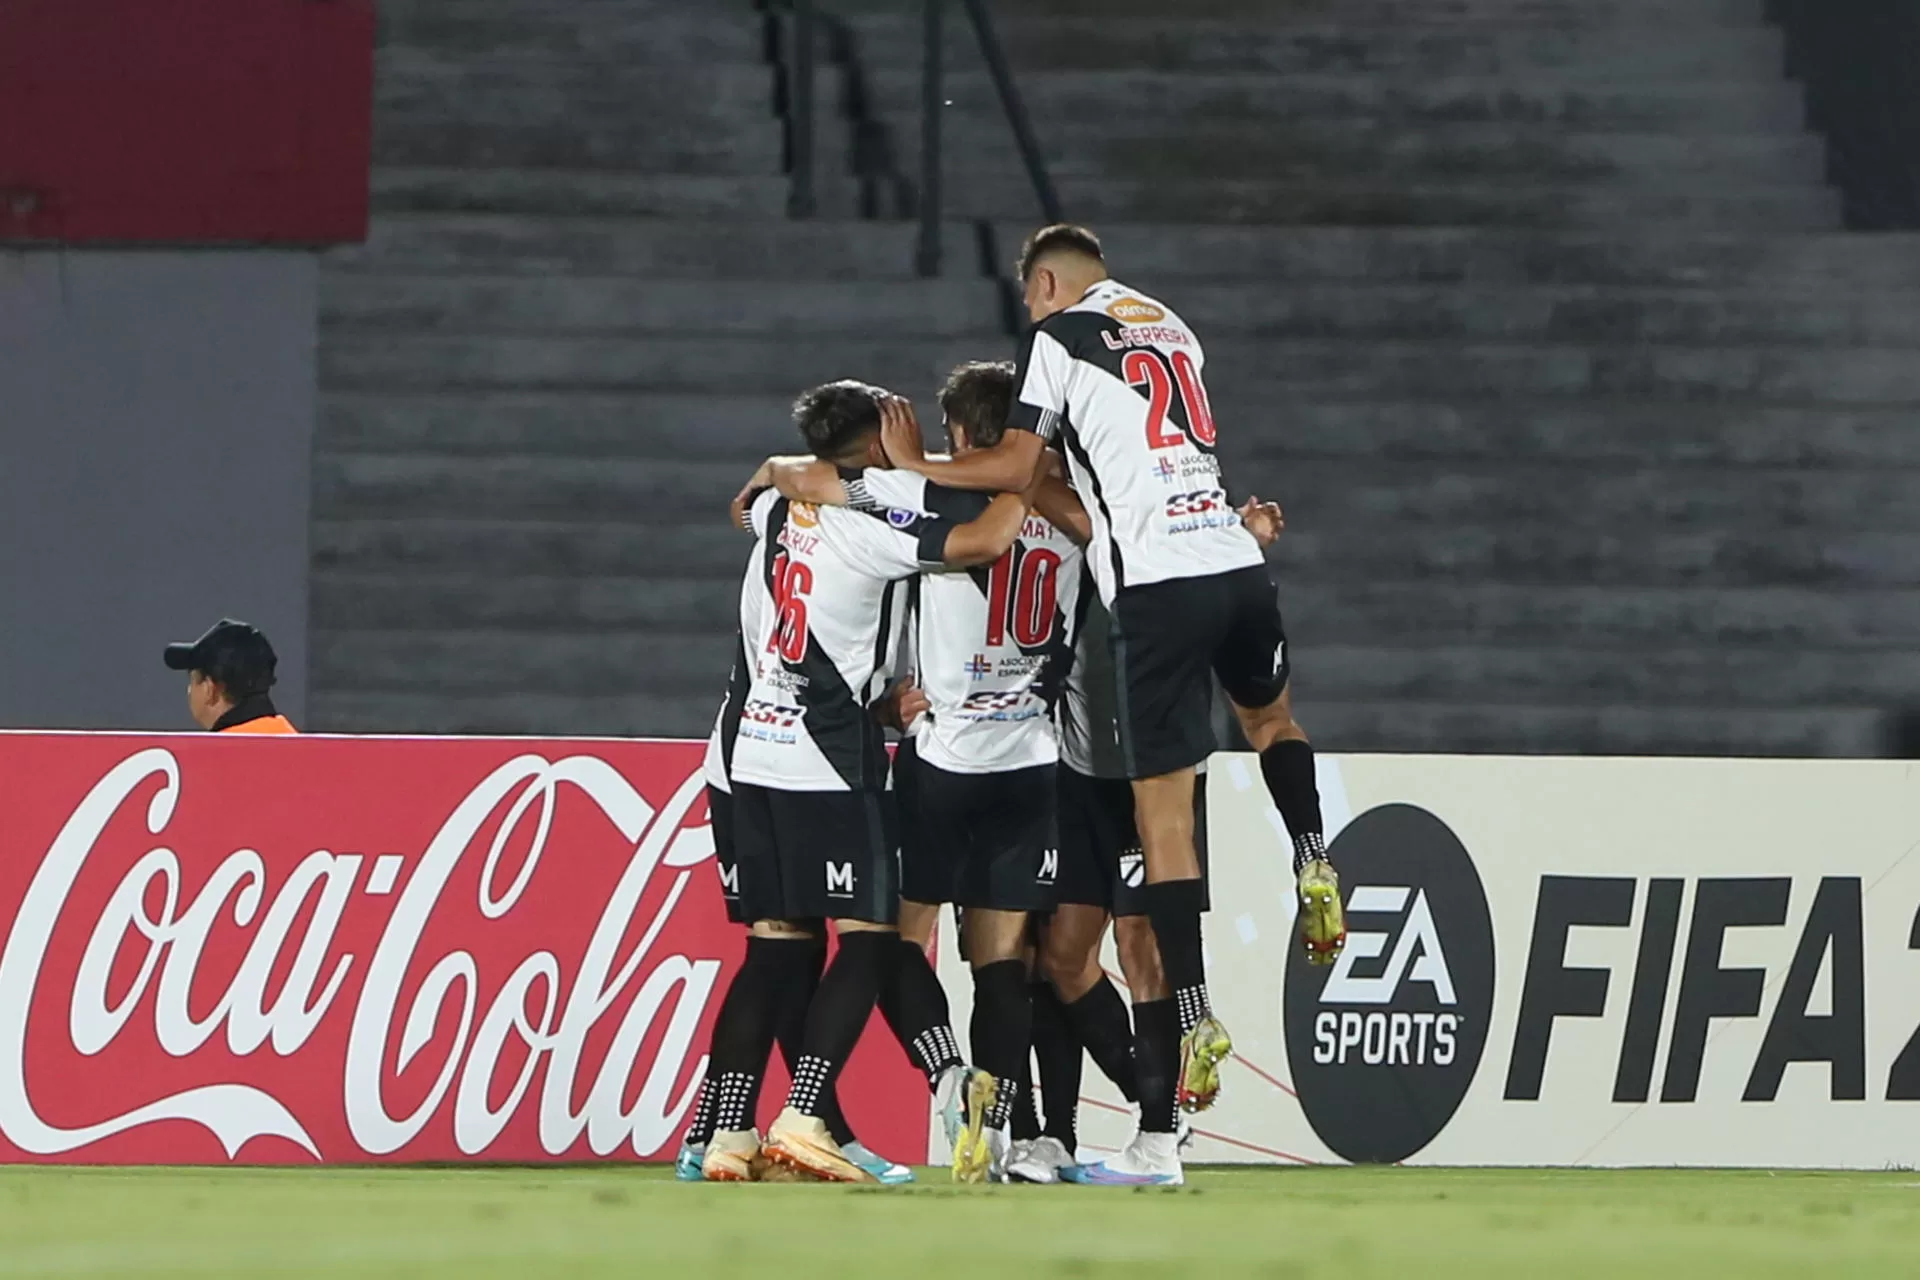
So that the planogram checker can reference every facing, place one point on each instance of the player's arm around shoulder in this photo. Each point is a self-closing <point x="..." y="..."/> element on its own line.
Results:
<point x="1060" y="506"/>
<point x="992" y="534"/>
<point x="1008" y="467"/>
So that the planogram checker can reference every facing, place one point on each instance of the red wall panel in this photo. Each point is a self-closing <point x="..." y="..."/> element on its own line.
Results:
<point x="184" y="121"/>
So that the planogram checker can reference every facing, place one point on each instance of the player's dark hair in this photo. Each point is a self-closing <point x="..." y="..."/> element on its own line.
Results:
<point x="979" y="396"/>
<point x="1060" y="237"/>
<point x="835" y="419"/>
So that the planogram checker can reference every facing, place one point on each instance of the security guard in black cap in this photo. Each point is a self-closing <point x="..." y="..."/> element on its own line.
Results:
<point x="229" y="671"/>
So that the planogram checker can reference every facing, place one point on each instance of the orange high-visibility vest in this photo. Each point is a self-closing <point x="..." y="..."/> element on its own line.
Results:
<point x="265" y="724"/>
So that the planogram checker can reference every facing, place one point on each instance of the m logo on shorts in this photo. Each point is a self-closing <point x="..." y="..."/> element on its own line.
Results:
<point x="839" y="879"/>
<point x="1049" y="866"/>
<point x="730" y="882"/>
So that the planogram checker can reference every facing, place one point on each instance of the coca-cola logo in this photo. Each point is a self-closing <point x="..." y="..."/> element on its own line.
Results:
<point x="534" y="962"/>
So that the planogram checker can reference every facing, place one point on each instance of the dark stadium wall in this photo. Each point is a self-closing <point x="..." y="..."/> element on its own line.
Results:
<point x="156" y="417"/>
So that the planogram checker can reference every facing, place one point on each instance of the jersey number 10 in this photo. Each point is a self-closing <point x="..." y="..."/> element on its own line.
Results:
<point x="1022" y="590"/>
<point x="1150" y="369"/>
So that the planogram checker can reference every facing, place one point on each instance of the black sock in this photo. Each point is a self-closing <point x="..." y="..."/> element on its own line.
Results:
<point x="1061" y="1061"/>
<point x="915" y="1006"/>
<point x="839" y="1013"/>
<point x="1288" y="768"/>
<point x="743" y="1034"/>
<point x="1157" y="1060"/>
<point x="1174" y="906"/>
<point x="802" y="979"/>
<point x="1024" y="1126"/>
<point x="1002" y="1033"/>
<point x="1100" y="1022"/>
<point x="700" y="1127"/>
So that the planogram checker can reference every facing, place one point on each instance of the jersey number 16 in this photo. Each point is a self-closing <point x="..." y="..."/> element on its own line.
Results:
<point x="792" y="581"/>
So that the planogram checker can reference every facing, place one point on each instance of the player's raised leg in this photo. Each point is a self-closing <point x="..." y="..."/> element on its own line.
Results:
<point x="1256" y="671"/>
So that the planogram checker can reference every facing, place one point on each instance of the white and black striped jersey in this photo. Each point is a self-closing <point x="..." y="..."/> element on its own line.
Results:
<point x="821" y="610"/>
<point x="1117" y="379"/>
<point x="989" y="646"/>
<point x="716" y="766"/>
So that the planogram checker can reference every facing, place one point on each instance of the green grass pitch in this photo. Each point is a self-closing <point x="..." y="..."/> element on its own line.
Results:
<point x="1336" y="1224"/>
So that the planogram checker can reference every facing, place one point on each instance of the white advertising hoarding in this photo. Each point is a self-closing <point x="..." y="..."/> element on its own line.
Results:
<point x="1570" y="962"/>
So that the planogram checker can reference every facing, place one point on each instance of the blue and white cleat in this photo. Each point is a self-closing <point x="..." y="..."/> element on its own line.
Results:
<point x="1150" y="1160"/>
<point x="878" y="1166"/>
<point x="686" y="1165"/>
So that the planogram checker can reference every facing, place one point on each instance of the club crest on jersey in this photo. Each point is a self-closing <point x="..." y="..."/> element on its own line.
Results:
<point x="1135" y="311"/>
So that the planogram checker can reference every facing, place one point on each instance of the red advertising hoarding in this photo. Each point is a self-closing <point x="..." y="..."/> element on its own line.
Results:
<point x="294" y="950"/>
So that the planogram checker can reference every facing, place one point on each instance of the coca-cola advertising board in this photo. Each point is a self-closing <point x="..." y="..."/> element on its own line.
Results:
<point x="293" y="950"/>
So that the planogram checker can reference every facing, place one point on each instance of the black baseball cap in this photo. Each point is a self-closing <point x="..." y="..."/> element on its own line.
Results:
<point x="233" y="653"/>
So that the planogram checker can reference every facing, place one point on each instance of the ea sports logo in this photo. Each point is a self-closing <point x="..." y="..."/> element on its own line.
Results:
<point x="1384" y="1044"/>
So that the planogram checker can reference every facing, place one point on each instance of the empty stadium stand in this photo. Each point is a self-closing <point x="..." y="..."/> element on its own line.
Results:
<point x="1595" y="432"/>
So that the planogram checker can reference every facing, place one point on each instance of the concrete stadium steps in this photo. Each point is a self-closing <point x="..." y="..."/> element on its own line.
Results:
<point x="562" y="193"/>
<point x="1637" y="257"/>
<point x="557" y="305"/>
<point x="1516" y="553"/>
<point x="1293" y="46"/>
<point x="1206" y="100"/>
<point x="1555" y="14"/>
<point x="1263" y="435"/>
<point x="1545" y="552"/>
<point x="1330" y="496"/>
<point x="1591" y="434"/>
<point x="1000" y="195"/>
<point x="706" y="548"/>
<point x="472" y="661"/>
<point x="1367" y="150"/>
<point x="1866" y="622"/>
<point x="356" y="360"/>
<point x="672" y="713"/>
<point x="511" y="87"/>
<point x="635" y="32"/>
<point x="1151" y="256"/>
<point x="500" y="244"/>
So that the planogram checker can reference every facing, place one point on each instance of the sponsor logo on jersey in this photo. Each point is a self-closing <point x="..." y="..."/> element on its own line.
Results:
<point x="1132" y="310"/>
<point x="1385" y="1044"/>
<point x="978" y="667"/>
<point x="804" y="514"/>
<point x="1002" y="704"/>
<point x="765" y="721"/>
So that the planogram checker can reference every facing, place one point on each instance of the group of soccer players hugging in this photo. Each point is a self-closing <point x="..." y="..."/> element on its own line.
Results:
<point x="1040" y="615"/>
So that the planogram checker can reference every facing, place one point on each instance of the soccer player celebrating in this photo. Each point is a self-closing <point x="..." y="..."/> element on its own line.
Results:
<point x="976" y="779"/>
<point x="1116" y="376"/>
<point x="811" y="831"/>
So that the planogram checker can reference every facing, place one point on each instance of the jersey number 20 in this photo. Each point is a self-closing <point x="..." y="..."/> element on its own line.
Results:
<point x="791" y="583"/>
<point x="1022" y="589"/>
<point x="1149" y="369"/>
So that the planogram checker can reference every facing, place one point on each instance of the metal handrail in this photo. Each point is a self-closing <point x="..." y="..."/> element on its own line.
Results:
<point x="932" y="104"/>
<point x="797" y="62"/>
